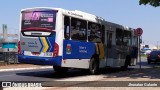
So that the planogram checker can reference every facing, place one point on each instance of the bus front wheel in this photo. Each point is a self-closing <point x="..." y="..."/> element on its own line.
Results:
<point x="94" y="66"/>
<point x="60" y="69"/>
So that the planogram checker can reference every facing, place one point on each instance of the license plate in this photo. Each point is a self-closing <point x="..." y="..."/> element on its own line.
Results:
<point x="48" y="54"/>
<point x="36" y="53"/>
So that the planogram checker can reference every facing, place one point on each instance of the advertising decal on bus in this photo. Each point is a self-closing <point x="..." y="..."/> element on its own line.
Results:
<point x="81" y="50"/>
<point x="40" y="44"/>
<point x="40" y="19"/>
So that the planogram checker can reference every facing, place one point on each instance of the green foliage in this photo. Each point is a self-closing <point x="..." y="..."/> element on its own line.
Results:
<point x="154" y="3"/>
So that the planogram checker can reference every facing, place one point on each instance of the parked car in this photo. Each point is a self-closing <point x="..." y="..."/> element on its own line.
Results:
<point x="154" y="56"/>
<point x="146" y="51"/>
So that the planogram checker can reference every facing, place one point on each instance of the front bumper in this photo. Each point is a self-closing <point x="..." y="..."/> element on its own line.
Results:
<point x="56" y="61"/>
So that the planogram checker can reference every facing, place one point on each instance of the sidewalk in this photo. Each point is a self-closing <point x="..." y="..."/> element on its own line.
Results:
<point x="14" y="67"/>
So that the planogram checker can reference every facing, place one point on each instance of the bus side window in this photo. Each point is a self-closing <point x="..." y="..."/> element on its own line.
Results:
<point x="66" y="27"/>
<point x="127" y="38"/>
<point x="103" y="32"/>
<point x="119" y="37"/>
<point x="78" y="29"/>
<point x="134" y="41"/>
<point x="109" y="39"/>
<point x="94" y="32"/>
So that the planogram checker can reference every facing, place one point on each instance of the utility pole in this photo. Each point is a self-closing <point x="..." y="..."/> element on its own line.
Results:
<point x="157" y="45"/>
<point x="138" y="33"/>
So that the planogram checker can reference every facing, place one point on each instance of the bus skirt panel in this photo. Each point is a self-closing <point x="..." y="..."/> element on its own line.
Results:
<point x="56" y="61"/>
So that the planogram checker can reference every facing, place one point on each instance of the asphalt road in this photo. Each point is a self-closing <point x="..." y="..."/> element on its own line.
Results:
<point x="49" y="74"/>
<point x="38" y="75"/>
<point x="144" y="64"/>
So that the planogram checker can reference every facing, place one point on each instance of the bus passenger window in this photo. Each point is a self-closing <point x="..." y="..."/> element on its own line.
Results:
<point x="103" y="32"/>
<point x="78" y="29"/>
<point x="127" y="38"/>
<point x="66" y="27"/>
<point x="123" y="37"/>
<point x="109" y="39"/>
<point x="119" y="37"/>
<point x="94" y="32"/>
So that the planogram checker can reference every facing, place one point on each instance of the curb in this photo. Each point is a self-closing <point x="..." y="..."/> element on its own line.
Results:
<point x="32" y="68"/>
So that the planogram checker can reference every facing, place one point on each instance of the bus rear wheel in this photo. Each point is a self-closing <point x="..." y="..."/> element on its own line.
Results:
<point x="94" y="66"/>
<point x="60" y="69"/>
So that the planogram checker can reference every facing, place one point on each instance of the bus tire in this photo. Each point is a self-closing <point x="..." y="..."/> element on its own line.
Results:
<point x="94" y="66"/>
<point x="60" y="69"/>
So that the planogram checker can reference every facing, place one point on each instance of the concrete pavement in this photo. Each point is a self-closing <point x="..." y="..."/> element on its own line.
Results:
<point x="16" y="67"/>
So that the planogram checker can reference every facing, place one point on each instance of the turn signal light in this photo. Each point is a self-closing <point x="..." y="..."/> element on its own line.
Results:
<point x="19" y="48"/>
<point x="56" y="50"/>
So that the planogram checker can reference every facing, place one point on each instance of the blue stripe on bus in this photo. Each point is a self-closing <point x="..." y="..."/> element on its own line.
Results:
<point x="41" y="44"/>
<point x="48" y="44"/>
<point x="56" y="61"/>
<point x="78" y="49"/>
<point x="51" y="41"/>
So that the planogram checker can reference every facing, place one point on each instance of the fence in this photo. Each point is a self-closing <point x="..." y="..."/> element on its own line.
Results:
<point x="9" y="58"/>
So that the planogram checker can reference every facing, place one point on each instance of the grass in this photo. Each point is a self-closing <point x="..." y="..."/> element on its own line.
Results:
<point x="142" y="55"/>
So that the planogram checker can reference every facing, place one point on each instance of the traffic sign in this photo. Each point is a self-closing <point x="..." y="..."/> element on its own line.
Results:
<point x="138" y="32"/>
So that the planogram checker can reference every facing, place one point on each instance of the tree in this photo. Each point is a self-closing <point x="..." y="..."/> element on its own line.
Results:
<point x="154" y="3"/>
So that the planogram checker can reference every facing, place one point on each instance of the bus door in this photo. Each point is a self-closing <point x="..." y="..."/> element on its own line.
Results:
<point x="109" y="48"/>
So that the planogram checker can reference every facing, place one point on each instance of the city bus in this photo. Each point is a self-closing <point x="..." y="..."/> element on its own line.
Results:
<point x="74" y="39"/>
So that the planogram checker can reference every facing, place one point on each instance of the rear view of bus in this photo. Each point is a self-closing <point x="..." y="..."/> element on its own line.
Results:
<point x="73" y="39"/>
<point x="37" y="43"/>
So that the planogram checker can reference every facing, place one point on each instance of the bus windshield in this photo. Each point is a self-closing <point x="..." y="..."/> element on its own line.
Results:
<point x="38" y="19"/>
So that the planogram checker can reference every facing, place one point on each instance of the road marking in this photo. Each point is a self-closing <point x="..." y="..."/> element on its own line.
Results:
<point x="7" y="75"/>
<point x="18" y="69"/>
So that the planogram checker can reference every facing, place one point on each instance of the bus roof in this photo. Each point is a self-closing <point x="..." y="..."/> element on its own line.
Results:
<point x="83" y="15"/>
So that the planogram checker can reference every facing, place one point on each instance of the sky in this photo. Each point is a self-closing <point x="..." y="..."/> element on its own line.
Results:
<point x="123" y="12"/>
